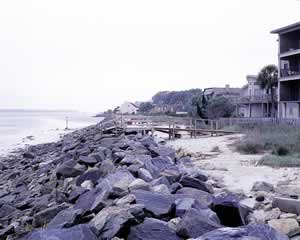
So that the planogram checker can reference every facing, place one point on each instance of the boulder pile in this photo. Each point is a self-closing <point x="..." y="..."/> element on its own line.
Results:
<point x="92" y="186"/>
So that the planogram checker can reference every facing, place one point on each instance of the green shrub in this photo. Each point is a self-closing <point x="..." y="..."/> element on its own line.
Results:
<point x="281" y="151"/>
<point x="249" y="147"/>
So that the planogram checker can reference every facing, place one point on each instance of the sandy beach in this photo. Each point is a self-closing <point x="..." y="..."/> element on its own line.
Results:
<point x="236" y="170"/>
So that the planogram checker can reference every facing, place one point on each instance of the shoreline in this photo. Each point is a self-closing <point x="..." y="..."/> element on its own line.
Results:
<point x="113" y="185"/>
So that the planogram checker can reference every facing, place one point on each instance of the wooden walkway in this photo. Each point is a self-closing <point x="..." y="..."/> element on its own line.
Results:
<point x="174" y="127"/>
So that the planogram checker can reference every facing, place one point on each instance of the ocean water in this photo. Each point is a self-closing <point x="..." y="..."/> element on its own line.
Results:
<point x="19" y="128"/>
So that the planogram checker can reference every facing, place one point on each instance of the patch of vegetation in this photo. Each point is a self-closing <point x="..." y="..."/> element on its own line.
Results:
<point x="249" y="147"/>
<point x="281" y="141"/>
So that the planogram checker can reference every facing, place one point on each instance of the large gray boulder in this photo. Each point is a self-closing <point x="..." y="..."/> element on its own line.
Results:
<point x="152" y="229"/>
<point x="92" y="175"/>
<point x="69" y="169"/>
<point x="191" y="182"/>
<point x="203" y="197"/>
<point x="111" y="221"/>
<point x="120" y="181"/>
<point x="159" y="205"/>
<point x="163" y="151"/>
<point x="65" y="218"/>
<point x="250" y="232"/>
<point x="45" y="216"/>
<point x="195" y="223"/>
<point x="78" y="232"/>
<point x="90" y="161"/>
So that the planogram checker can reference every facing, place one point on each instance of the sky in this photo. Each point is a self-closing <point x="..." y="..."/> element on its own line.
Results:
<point x="93" y="55"/>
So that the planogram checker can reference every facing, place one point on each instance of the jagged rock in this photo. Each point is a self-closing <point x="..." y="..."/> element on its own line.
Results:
<point x="152" y="229"/>
<point x="262" y="186"/>
<point x="286" y="226"/>
<point x="130" y="198"/>
<point x="145" y="175"/>
<point x="29" y="155"/>
<point x="107" y="167"/>
<point x="135" y="159"/>
<point x="182" y="205"/>
<point x="203" y="197"/>
<point x="162" y="188"/>
<point x="45" y="216"/>
<point x="158" y="164"/>
<point x="163" y="151"/>
<point x="160" y="180"/>
<point x="65" y="218"/>
<point x="195" y="223"/>
<point x="90" y="161"/>
<point x="92" y="174"/>
<point x="187" y="181"/>
<point x="99" y="156"/>
<point x="175" y="187"/>
<point x="110" y="221"/>
<point x="199" y="175"/>
<point x="120" y="181"/>
<point x="75" y="194"/>
<point x="139" y="184"/>
<point x="172" y="173"/>
<point x="78" y="232"/>
<point x="158" y="204"/>
<point x="250" y="232"/>
<point x="6" y="210"/>
<point x="94" y="200"/>
<point x="69" y="169"/>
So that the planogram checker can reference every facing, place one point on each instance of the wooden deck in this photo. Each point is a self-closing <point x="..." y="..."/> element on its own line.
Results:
<point x="174" y="127"/>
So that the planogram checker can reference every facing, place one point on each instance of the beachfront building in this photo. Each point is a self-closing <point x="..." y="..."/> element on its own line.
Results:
<point x="255" y="102"/>
<point x="289" y="71"/>
<point x="128" y="108"/>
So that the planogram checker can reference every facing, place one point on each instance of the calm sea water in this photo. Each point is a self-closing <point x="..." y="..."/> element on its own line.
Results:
<point x="19" y="128"/>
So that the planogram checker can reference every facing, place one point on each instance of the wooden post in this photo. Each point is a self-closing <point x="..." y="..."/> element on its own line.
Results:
<point x="211" y="127"/>
<point x="195" y="129"/>
<point x="191" y="125"/>
<point x="169" y="130"/>
<point x="173" y="133"/>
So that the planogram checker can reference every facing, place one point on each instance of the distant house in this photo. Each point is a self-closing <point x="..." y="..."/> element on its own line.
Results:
<point x="254" y="102"/>
<point x="128" y="108"/>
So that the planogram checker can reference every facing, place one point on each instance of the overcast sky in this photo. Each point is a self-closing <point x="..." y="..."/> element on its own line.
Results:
<point x="92" y="55"/>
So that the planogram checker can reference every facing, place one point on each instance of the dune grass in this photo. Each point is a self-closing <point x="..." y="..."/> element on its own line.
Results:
<point x="281" y="141"/>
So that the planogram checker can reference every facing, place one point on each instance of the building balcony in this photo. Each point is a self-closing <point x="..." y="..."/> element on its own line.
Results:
<point x="289" y="52"/>
<point x="286" y="75"/>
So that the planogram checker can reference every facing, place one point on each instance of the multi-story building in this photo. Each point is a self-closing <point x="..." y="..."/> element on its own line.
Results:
<point x="255" y="102"/>
<point x="289" y="71"/>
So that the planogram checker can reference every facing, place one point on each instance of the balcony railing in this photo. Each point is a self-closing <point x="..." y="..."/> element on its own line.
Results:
<point x="288" y="73"/>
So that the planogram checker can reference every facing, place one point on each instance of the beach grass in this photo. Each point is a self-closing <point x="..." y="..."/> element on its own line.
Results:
<point x="282" y="142"/>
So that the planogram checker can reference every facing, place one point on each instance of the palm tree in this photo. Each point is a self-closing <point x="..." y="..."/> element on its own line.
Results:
<point x="268" y="80"/>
